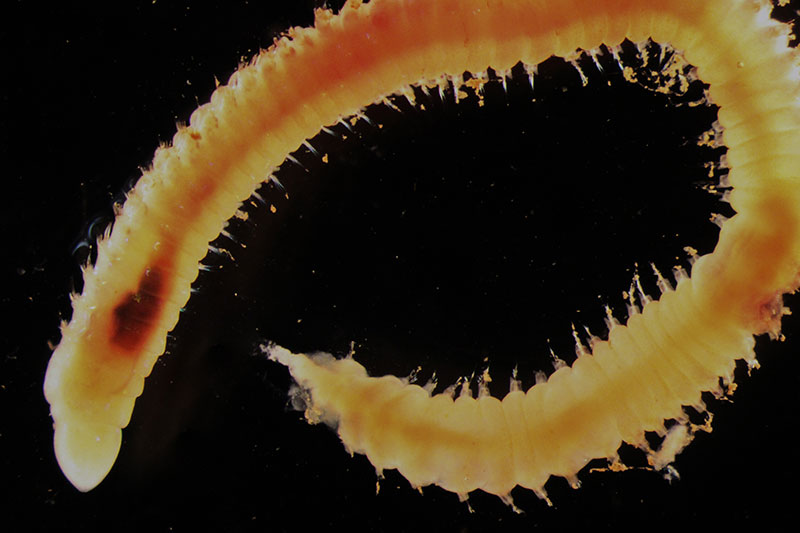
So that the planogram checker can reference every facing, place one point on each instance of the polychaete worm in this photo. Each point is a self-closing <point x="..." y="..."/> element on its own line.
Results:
<point x="680" y="345"/>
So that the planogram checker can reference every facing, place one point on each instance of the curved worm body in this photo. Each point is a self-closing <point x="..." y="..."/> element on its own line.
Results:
<point x="632" y="382"/>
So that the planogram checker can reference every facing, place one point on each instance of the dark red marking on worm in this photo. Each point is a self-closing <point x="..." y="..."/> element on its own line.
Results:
<point x="138" y="311"/>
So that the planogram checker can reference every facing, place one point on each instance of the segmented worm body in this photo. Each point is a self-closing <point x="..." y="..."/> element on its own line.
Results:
<point x="679" y="346"/>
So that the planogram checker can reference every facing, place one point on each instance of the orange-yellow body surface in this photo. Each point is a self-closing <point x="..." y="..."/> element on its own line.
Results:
<point x="642" y="375"/>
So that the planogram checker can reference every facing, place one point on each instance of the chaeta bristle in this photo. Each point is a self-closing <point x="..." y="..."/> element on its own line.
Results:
<point x="691" y="255"/>
<point x="663" y="284"/>
<point x="514" y="384"/>
<point x="346" y="124"/>
<point x="483" y="383"/>
<point x="330" y="132"/>
<point x="430" y="385"/>
<point x="225" y="233"/>
<point x="450" y="390"/>
<point x="260" y="199"/>
<point x="556" y="361"/>
<point x="679" y="273"/>
<point x="610" y="320"/>
<point x="388" y="103"/>
<point x="593" y="339"/>
<point x="718" y="219"/>
<point x="580" y="349"/>
<point x="643" y="297"/>
<point x="530" y="71"/>
<point x="310" y="148"/>
<point x="293" y="159"/>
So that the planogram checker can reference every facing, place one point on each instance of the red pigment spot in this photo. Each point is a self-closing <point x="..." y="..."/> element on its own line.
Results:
<point x="136" y="314"/>
<point x="770" y="313"/>
<point x="382" y="20"/>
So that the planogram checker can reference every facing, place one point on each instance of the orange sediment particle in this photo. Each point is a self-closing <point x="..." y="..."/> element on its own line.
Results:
<point x="630" y="383"/>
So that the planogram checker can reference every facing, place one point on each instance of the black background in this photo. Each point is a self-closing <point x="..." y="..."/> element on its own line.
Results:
<point x="443" y="238"/>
